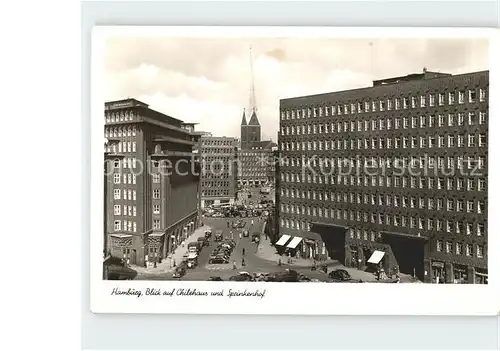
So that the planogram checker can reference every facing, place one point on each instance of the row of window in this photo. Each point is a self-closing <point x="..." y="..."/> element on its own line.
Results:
<point x="211" y="142"/>
<point x="119" y="116"/>
<point x="128" y="210"/>
<point x="206" y="158"/>
<point x="418" y="223"/>
<point x="327" y="165"/>
<point x="128" y="194"/>
<point x="212" y="151"/>
<point x="215" y="192"/>
<point x="125" y="146"/>
<point x="428" y="203"/>
<point x="428" y="141"/>
<point x="127" y="178"/>
<point x="118" y="132"/>
<point x="128" y="226"/>
<point x="127" y="162"/>
<point x="432" y="183"/>
<point x="387" y="104"/>
<point x="382" y="124"/>
<point x="459" y="249"/>
<point x="206" y="184"/>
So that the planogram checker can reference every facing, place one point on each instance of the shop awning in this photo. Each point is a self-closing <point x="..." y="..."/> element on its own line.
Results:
<point x="283" y="240"/>
<point x="295" y="241"/>
<point x="376" y="257"/>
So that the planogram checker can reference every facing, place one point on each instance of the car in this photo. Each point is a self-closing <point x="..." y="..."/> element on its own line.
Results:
<point x="242" y="224"/>
<point x="218" y="260"/>
<point x="215" y="279"/>
<point x="339" y="275"/>
<point x="241" y="278"/>
<point x="246" y="233"/>
<point x="179" y="272"/>
<point x="288" y="275"/>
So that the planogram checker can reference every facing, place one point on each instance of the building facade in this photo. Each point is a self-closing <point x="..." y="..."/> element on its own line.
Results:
<point x="152" y="183"/>
<point x="399" y="168"/>
<point x="256" y="164"/>
<point x="219" y="162"/>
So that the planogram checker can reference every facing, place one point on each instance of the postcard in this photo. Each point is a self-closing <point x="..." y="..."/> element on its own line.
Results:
<point x="293" y="170"/>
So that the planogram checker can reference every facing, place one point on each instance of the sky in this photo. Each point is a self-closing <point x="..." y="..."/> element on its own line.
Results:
<point x="207" y="81"/>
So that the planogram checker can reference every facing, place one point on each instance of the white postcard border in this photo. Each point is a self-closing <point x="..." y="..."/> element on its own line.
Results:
<point x="292" y="298"/>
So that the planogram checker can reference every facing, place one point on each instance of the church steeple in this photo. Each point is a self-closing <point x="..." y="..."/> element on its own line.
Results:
<point x="254" y="121"/>
<point x="243" y="119"/>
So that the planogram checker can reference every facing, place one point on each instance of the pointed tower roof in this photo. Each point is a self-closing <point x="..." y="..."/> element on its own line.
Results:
<point x="254" y="121"/>
<point x="243" y="119"/>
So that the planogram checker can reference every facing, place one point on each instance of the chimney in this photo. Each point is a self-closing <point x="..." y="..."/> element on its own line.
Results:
<point x="424" y="70"/>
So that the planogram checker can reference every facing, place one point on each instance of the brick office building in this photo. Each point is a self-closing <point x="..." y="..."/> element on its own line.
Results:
<point x="219" y="156"/>
<point x="152" y="207"/>
<point x="405" y="175"/>
<point x="256" y="166"/>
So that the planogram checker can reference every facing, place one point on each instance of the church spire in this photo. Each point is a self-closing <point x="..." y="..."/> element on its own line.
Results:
<point x="243" y="119"/>
<point x="253" y="100"/>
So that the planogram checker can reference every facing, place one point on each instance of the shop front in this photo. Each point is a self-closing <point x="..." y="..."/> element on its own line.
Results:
<point x="438" y="272"/>
<point x="282" y="243"/>
<point x="376" y="262"/>
<point x="460" y="274"/>
<point x="481" y="276"/>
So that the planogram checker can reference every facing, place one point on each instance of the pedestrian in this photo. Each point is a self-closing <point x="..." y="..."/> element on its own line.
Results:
<point x="234" y="265"/>
<point x="243" y="252"/>
<point x="242" y="261"/>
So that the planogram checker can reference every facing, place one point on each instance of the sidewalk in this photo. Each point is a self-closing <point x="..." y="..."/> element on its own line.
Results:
<point x="266" y="251"/>
<point x="166" y="264"/>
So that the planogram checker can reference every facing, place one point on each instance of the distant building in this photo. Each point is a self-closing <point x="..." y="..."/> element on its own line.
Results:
<point x="153" y="206"/>
<point x="256" y="164"/>
<point x="219" y="170"/>
<point x="426" y="214"/>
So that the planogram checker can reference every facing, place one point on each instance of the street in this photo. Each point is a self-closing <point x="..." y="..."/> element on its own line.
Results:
<point x="254" y="264"/>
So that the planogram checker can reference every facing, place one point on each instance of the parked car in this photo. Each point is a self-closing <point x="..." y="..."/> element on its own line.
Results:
<point x="241" y="278"/>
<point x="242" y="224"/>
<point x="289" y="275"/>
<point x="215" y="279"/>
<point x="180" y="271"/>
<point x="208" y="234"/>
<point x="218" y="259"/>
<point x="246" y="233"/>
<point x="339" y="275"/>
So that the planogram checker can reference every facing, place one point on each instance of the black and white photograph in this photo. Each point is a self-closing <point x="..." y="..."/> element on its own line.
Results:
<point x="295" y="159"/>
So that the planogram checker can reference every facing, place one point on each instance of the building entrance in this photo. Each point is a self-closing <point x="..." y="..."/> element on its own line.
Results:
<point x="409" y="254"/>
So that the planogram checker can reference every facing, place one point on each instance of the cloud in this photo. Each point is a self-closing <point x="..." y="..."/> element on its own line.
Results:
<point x="208" y="80"/>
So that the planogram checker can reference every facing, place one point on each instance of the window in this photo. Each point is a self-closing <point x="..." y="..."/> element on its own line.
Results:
<point x="432" y="100"/>
<point x="117" y="210"/>
<point x="480" y="229"/>
<point x="461" y="97"/>
<point x="413" y="102"/>
<point x="441" y="99"/>
<point x="472" y="96"/>
<point x="156" y="193"/>
<point x="117" y="194"/>
<point x="471" y="140"/>
<point x="481" y="185"/>
<point x="117" y="225"/>
<point x="156" y="209"/>
<point x="460" y="119"/>
<point x="439" y="246"/>
<point x="460" y="249"/>
<point x="480" y="251"/>
<point x="451" y="98"/>
<point x="116" y="178"/>
<point x="449" y="247"/>
<point x="482" y="140"/>
<point x="482" y="95"/>
<point x="156" y="178"/>
<point x="472" y="118"/>
<point x="156" y="224"/>
<point x="480" y="207"/>
<point x="468" y="250"/>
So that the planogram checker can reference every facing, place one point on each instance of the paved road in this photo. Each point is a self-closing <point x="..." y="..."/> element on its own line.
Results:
<point x="254" y="264"/>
